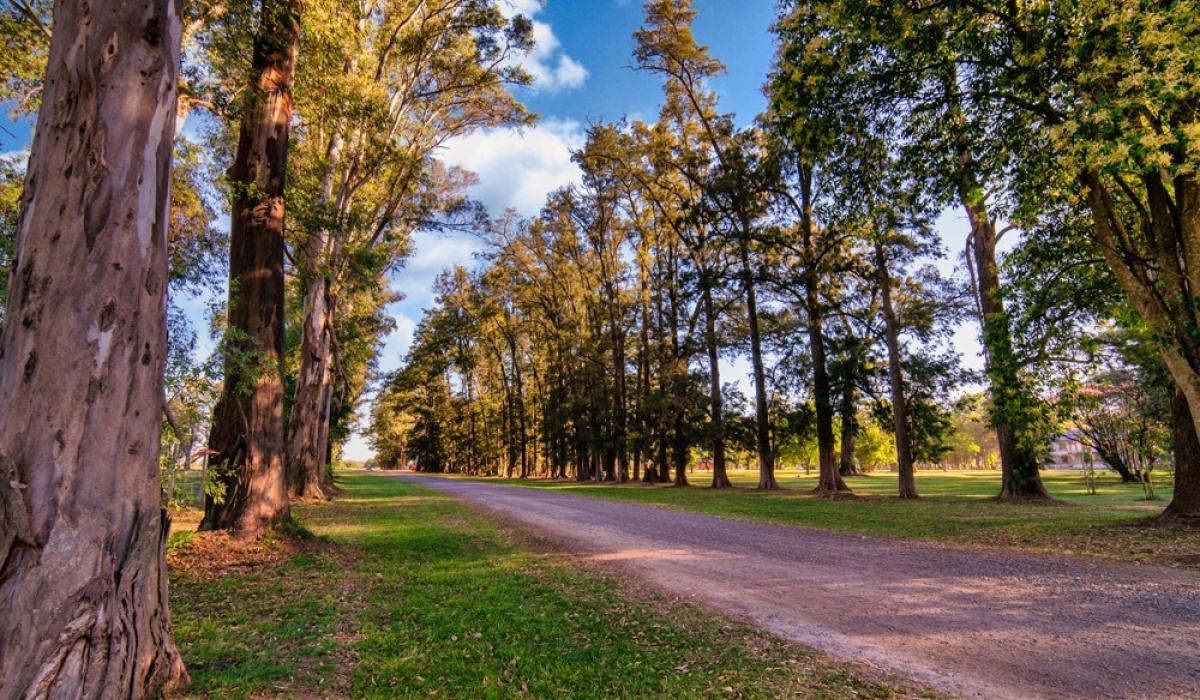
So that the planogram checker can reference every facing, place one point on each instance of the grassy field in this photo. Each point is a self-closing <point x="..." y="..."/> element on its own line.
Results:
<point x="955" y="507"/>
<point x="395" y="592"/>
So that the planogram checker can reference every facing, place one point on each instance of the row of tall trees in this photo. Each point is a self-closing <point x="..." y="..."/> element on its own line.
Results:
<point x="381" y="87"/>
<point x="603" y="323"/>
<point x="805" y="244"/>
<point x="1073" y="123"/>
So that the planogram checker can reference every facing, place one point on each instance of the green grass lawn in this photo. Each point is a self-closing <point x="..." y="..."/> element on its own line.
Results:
<point x="954" y="507"/>
<point x="401" y="593"/>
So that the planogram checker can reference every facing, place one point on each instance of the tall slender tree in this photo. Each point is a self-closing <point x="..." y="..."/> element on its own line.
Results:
<point x="881" y="59"/>
<point x="667" y="47"/>
<point x="399" y="80"/>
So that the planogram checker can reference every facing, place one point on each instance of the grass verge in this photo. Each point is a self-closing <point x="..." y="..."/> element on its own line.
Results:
<point x="955" y="507"/>
<point x="402" y="593"/>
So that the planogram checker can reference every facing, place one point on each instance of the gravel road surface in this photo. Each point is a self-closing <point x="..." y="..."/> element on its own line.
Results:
<point x="982" y="624"/>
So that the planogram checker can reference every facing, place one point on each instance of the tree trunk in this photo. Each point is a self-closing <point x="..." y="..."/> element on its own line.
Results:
<point x="675" y="389"/>
<point x="519" y="404"/>
<point x="82" y="530"/>
<point x="1019" y="465"/>
<point x="847" y="466"/>
<point x="762" y="420"/>
<point x="829" y="480"/>
<point x="1185" y="504"/>
<point x="247" y="431"/>
<point x="620" y="413"/>
<point x="1109" y="454"/>
<point x="1137" y="273"/>
<point x="720" y="476"/>
<point x="904" y="453"/>
<point x="644" y="384"/>
<point x="308" y="425"/>
<point x="679" y="451"/>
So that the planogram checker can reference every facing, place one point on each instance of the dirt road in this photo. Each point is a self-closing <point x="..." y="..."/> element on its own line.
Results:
<point x="982" y="624"/>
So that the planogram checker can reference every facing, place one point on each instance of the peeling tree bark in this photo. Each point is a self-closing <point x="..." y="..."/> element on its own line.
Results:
<point x="308" y="425"/>
<point x="247" y="431"/>
<point x="82" y="531"/>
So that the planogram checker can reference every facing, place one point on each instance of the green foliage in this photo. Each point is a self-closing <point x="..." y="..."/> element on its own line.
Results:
<point x="197" y="249"/>
<point x="216" y="480"/>
<point x="874" y="446"/>
<point x="246" y="361"/>
<point x="24" y="48"/>
<point x="180" y="540"/>
<point x="929" y="427"/>
<point x="971" y="443"/>
<point x="382" y="89"/>
<point x="12" y="176"/>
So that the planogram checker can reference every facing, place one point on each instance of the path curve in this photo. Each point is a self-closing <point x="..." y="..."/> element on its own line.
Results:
<point x="983" y="624"/>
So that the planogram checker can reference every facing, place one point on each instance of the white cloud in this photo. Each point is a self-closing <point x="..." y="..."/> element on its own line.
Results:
<point x="552" y="69"/>
<point x="516" y="169"/>
<point x="433" y="254"/>
<point x="529" y="8"/>
<point x="519" y="168"/>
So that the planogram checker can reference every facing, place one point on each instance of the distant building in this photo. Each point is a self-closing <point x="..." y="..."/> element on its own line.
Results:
<point x="1066" y="452"/>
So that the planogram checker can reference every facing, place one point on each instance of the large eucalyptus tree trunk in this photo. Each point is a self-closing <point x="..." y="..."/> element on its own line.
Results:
<point x="247" y="432"/>
<point x="83" y="588"/>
